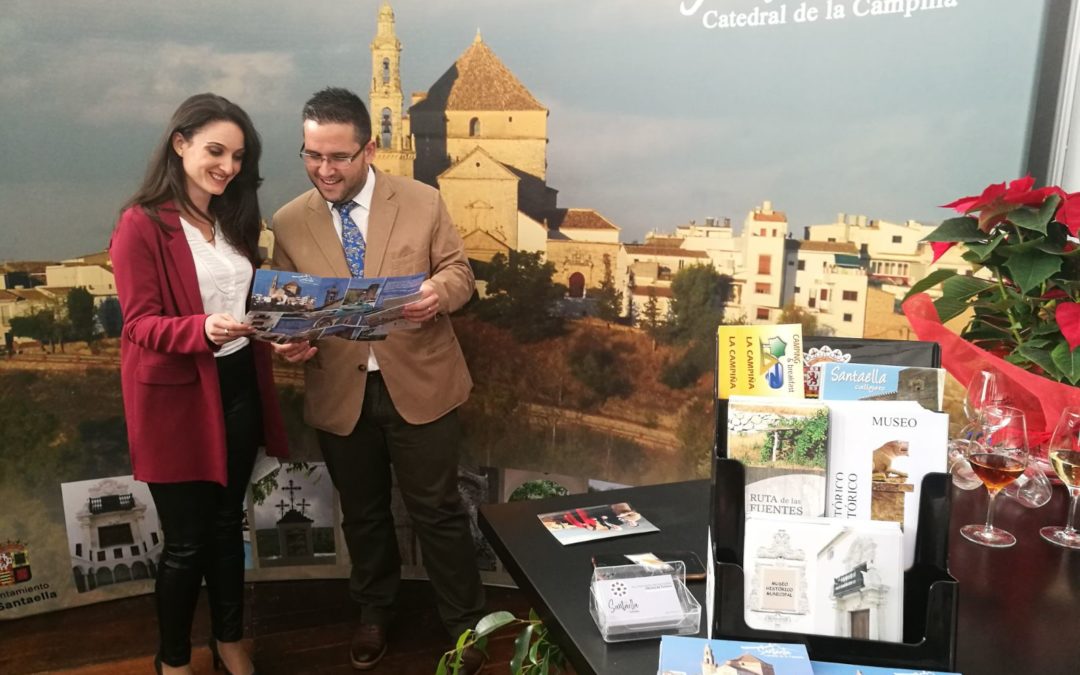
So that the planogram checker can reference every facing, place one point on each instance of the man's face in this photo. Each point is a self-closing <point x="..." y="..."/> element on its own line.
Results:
<point x="328" y="147"/>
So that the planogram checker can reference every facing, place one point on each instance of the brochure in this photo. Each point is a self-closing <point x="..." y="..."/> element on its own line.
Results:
<point x="878" y="382"/>
<point x="824" y="576"/>
<point x="819" y="350"/>
<point x="879" y="452"/>
<point x="595" y="522"/>
<point x="694" y="655"/>
<point x="759" y="361"/>
<point x="291" y="307"/>
<point x="783" y="443"/>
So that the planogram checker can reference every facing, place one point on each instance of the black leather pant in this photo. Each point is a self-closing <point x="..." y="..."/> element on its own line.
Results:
<point x="202" y="524"/>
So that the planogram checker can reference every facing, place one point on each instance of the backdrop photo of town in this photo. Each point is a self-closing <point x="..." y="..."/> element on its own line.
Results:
<point x="624" y="180"/>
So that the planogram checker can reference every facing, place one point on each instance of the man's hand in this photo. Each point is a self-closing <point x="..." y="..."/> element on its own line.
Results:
<point x="426" y="308"/>
<point x="295" y="352"/>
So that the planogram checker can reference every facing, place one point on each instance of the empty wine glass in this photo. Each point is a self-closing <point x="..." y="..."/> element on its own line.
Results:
<point x="983" y="389"/>
<point x="959" y="468"/>
<point x="998" y="458"/>
<point x="1032" y="489"/>
<point x="1064" y="455"/>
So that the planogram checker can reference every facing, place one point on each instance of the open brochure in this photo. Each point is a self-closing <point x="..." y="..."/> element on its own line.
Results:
<point x="290" y="306"/>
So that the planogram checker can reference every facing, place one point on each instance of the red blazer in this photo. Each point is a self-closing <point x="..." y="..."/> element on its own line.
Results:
<point x="172" y="399"/>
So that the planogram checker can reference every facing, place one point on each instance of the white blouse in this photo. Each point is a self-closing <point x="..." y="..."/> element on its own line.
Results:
<point x="224" y="278"/>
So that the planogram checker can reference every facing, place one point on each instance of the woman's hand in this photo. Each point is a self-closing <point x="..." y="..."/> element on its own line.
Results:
<point x="222" y="328"/>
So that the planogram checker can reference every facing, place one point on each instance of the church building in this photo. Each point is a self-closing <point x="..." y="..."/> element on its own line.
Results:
<point x="480" y="136"/>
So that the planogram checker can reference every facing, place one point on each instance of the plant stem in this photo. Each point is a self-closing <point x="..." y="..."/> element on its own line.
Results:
<point x="1014" y="324"/>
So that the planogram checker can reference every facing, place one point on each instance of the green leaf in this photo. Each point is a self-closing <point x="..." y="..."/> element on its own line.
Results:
<point x="1036" y="221"/>
<point x="963" y="287"/>
<point x="929" y="281"/>
<point x="1039" y="357"/>
<point x="947" y="308"/>
<point x="1047" y="328"/>
<point x="1030" y="268"/>
<point x="982" y="250"/>
<point x="493" y="622"/>
<point x="463" y="639"/>
<point x="441" y="668"/>
<point x="521" y="648"/>
<point x="957" y="229"/>
<point x="1068" y="361"/>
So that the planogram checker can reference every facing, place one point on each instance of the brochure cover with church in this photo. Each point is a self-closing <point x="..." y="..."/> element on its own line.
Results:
<point x="824" y="576"/>
<point x="291" y="307"/>
<point x="879" y="452"/>
<point x="700" y="656"/>
<point x="783" y="443"/>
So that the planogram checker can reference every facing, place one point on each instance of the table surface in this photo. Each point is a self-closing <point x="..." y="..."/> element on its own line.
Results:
<point x="1019" y="607"/>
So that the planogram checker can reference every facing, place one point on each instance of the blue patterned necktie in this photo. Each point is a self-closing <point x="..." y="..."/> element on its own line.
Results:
<point x="351" y="239"/>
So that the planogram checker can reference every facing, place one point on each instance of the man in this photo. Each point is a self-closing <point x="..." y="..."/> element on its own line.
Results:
<point x="377" y="405"/>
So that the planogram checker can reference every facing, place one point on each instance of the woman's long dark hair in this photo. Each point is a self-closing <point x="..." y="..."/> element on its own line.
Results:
<point x="237" y="208"/>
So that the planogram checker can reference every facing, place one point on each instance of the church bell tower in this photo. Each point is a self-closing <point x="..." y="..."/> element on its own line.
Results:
<point x="391" y="130"/>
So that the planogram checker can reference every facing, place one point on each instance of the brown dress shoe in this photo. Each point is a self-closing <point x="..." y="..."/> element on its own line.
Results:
<point x="368" y="646"/>
<point x="472" y="661"/>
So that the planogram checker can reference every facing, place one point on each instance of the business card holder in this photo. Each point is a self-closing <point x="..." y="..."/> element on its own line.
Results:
<point x="607" y="608"/>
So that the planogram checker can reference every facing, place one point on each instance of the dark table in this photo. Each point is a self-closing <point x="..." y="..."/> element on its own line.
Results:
<point x="1019" y="607"/>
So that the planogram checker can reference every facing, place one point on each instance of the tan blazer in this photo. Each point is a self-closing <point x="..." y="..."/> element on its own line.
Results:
<point x="409" y="231"/>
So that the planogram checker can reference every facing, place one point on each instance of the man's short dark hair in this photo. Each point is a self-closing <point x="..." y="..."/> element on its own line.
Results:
<point x="338" y="105"/>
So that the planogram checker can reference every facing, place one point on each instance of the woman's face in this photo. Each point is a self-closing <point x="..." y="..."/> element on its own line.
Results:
<point x="211" y="159"/>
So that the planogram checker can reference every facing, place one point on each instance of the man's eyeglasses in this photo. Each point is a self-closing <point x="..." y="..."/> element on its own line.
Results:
<point x="339" y="161"/>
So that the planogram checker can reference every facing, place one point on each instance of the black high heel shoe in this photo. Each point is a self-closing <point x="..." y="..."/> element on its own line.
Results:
<point x="219" y="665"/>
<point x="157" y="664"/>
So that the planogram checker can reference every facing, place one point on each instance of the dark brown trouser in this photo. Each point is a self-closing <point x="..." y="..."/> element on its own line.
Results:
<point x="424" y="458"/>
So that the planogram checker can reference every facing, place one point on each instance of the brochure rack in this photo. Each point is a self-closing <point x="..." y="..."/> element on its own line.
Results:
<point x="931" y="594"/>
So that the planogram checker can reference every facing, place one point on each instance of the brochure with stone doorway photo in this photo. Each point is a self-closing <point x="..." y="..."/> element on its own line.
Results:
<point x="589" y="523"/>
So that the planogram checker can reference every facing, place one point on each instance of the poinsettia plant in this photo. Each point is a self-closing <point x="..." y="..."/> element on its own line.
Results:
<point x="1027" y="310"/>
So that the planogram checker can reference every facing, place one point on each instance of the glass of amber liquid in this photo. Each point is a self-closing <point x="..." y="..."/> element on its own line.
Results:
<point x="1064" y="456"/>
<point x="999" y="458"/>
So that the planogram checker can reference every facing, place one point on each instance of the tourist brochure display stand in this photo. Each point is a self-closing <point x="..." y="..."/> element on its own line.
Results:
<point x="930" y="593"/>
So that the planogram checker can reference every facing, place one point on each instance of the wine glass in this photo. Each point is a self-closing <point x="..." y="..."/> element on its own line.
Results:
<point x="998" y="458"/>
<point x="983" y="389"/>
<point x="1064" y="455"/>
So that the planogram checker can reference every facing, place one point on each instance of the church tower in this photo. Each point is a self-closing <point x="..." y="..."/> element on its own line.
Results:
<point x="393" y="137"/>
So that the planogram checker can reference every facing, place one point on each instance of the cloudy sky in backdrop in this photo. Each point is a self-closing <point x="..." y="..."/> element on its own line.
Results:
<point x="654" y="119"/>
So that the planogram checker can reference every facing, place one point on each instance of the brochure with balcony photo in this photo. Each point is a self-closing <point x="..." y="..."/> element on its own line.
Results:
<point x="694" y="655"/>
<point x="783" y="443"/>
<point x="824" y="576"/>
<point x="589" y="523"/>
<point x="879" y="452"/>
<point x="824" y="668"/>
<point x="876" y="382"/>
<point x="291" y="307"/>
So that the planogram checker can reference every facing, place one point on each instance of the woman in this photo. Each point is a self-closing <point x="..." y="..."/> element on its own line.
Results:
<point x="199" y="395"/>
